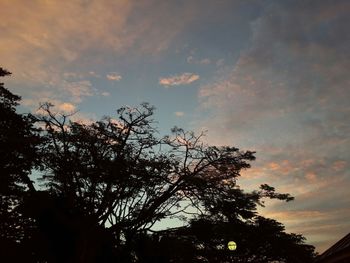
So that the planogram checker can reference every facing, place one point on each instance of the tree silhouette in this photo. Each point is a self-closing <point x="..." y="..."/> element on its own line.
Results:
<point x="104" y="186"/>
<point x="18" y="151"/>
<point x="205" y="240"/>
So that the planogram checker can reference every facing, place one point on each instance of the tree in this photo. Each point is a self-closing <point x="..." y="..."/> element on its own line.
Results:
<point x="106" y="184"/>
<point x="18" y="142"/>
<point x="205" y="240"/>
<point x="117" y="175"/>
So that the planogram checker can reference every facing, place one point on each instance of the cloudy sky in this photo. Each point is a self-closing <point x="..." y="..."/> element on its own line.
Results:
<point x="270" y="76"/>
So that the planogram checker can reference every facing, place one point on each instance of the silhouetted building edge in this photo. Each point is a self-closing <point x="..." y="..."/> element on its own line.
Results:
<point x="338" y="253"/>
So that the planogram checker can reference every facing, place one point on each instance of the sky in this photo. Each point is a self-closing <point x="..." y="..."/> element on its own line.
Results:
<point x="270" y="76"/>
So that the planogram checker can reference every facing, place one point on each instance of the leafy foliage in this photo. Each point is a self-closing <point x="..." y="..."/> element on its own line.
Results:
<point x="18" y="150"/>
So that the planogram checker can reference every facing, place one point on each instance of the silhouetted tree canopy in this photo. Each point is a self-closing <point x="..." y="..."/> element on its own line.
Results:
<point x="18" y="150"/>
<point x="100" y="188"/>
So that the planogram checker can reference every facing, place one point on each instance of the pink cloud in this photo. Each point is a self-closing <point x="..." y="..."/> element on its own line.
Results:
<point x="39" y="52"/>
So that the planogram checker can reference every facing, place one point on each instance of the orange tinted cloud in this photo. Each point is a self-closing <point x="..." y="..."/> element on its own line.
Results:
<point x="40" y="40"/>
<point x="179" y="113"/>
<point x="339" y="165"/>
<point x="66" y="107"/>
<point x="311" y="177"/>
<point x="274" y="166"/>
<point x="114" y="76"/>
<point x="183" y="79"/>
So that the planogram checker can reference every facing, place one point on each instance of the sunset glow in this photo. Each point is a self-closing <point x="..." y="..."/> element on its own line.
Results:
<point x="267" y="76"/>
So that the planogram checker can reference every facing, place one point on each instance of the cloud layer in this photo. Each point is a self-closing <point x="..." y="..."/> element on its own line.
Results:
<point x="287" y="97"/>
<point x="56" y="46"/>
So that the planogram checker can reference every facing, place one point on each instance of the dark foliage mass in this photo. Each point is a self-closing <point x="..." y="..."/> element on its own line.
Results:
<point x="78" y="192"/>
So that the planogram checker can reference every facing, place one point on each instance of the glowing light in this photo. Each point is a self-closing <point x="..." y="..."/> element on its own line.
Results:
<point x="232" y="245"/>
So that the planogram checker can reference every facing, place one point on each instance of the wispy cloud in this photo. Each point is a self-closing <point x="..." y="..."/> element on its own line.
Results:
<point x="66" y="107"/>
<point x="58" y="106"/>
<point x="280" y="83"/>
<point x="105" y="93"/>
<point x="94" y="74"/>
<point x="78" y="37"/>
<point x="183" y="79"/>
<point x="79" y="89"/>
<point x="193" y="60"/>
<point x="179" y="113"/>
<point x="288" y="103"/>
<point x="114" y="76"/>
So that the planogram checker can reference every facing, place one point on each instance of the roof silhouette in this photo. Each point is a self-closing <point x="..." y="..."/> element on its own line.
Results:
<point x="339" y="252"/>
